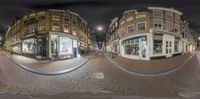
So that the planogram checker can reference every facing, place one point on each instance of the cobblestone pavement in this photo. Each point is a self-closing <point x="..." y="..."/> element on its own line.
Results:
<point x="98" y="79"/>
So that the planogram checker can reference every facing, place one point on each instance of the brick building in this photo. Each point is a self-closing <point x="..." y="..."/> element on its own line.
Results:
<point x="54" y="34"/>
<point x="157" y="33"/>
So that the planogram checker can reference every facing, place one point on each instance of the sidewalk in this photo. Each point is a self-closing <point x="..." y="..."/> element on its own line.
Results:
<point x="49" y="67"/>
<point x="153" y="66"/>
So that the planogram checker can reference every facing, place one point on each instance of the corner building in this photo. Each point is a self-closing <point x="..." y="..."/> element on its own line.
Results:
<point x="51" y="34"/>
<point x="155" y="34"/>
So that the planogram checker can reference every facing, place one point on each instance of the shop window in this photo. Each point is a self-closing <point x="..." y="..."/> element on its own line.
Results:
<point x="56" y="27"/>
<point x="29" y="46"/>
<point x="65" y="45"/>
<point x="141" y="26"/>
<point x="158" y="39"/>
<point x="115" y="47"/>
<point x="132" y="46"/>
<point x="130" y="29"/>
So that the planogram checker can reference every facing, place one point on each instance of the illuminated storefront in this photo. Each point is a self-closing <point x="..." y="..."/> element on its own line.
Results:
<point x="29" y="46"/>
<point x="135" y="48"/>
<point x="63" y="46"/>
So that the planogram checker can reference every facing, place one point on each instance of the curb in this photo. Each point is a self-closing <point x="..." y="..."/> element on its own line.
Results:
<point x="150" y="74"/>
<point x="52" y="73"/>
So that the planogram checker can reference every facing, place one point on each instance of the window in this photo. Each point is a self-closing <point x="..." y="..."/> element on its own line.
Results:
<point x="41" y="23"/>
<point x="157" y="13"/>
<point x="176" y="17"/>
<point x="157" y="48"/>
<point x="31" y="28"/>
<point x="130" y="29"/>
<point x="131" y="46"/>
<point x="65" y="45"/>
<point x="55" y="16"/>
<point x="176" y="44"/>
<point x="66" y="28"/>
<point x="169" y="26"/>
<point x="56" y="27"/>
<point x="141" y="26"/>
<point x="176" y="28"/>
<point x="66" y="20"/>
<point x="169" y="15"/>
<point x="74" y="31"/>
<point x="29" y="46"/>
<point x="158" y="23"/>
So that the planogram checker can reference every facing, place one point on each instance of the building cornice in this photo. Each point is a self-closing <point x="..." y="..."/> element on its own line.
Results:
<point x="166" y="9"/>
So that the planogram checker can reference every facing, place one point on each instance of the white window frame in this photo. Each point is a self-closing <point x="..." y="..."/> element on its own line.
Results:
<point x="144" y="25"/>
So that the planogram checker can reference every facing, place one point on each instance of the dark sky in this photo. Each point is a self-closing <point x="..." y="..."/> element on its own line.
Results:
<point x="97" y="12"/>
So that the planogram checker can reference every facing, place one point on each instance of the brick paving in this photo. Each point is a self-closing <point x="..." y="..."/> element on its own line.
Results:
<point x="152" y="66"/>
<point x="48" y="66"/>
<point x="98" y="79"/>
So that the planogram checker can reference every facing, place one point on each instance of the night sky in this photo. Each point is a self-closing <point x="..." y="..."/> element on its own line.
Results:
<point x="97" y="12"/>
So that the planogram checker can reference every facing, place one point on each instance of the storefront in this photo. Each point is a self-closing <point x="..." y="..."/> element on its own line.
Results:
<point x="63" y="46"/>
<point x="16" y="48"/>
<point x="135" y="48"/>
<point x="29" y="46"/>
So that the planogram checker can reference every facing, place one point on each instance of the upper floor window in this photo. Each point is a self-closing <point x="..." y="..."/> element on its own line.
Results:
<point x="56" y="27"/>
<point x="176" y="17"/>
<point x="130" y="29"/>
<point x="41" y="23"/>
<point x="141" y="26"/>
<point x="55" y="16"/>
<point x="176" y="28"/>
<point x="158" y="23"/>
<point x="31" y="28"/>
<point x="74" y="31"/>
<point x="158" y="13"/>
<point x="66" y="28"/>
<point x="169" y="15"/>
<point x="169" y="26"/>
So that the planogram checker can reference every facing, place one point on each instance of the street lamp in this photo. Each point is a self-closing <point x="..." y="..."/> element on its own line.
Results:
<point x="100" y="28"/>
<point x="199" y="38"/>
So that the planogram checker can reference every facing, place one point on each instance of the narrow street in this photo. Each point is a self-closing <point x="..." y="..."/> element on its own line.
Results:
<point x="98" y="78"/>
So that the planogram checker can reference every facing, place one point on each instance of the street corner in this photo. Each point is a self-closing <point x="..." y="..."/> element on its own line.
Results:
<point x="48" y="67"/>
<point x="150" y="68"/>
